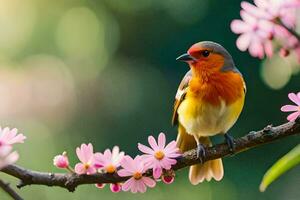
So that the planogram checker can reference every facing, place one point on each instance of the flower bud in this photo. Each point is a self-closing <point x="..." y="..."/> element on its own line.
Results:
<point x="61" y="161"/>
<point x="115" y="187"/>
<point x="100" y="185"/>
<point x="168" y="179"/>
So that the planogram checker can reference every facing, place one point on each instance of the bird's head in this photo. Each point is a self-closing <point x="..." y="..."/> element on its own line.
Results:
<point x="208" y="55"/>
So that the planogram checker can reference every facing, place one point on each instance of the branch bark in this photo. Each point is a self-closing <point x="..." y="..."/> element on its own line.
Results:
<point x="11" y="192"/>
<point x="70" y="181"/>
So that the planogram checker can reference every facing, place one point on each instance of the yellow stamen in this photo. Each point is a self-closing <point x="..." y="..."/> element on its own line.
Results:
<point x="159" y="155"/>
<point x="137" y="175"/>
<point x="110" y="169"/>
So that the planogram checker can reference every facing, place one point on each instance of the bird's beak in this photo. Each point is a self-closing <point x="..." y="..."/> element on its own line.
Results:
<point x="186" y="58"/>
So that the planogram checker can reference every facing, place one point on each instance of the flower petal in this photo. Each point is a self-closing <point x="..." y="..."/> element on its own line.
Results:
<point x="157" y="171"/>
<point x="152" y="143"/>
<point x="171" y="147"/>
<point x="128" y="164"/>
<point x="134" y="186"/>
<point x="289" y="108"/>
<point x="238" y="26"/>
<point x="80" y="155"/>
<point x="293" y="97"/>
<point x="145" y="149"/>
<point x="268" y="48"/>
<point x="293" y="116"/>
<point x="128" y="184"/>
<point x="141" y="187"/>
<point x="149" y="182"/>
<point x="124" y="173"/>
<point x="107" y="154"/>
<point x="161" y="140"/>
<point x="243" y="41"/>
<point x="91" y="170"/>
<point x="79" y="168"/>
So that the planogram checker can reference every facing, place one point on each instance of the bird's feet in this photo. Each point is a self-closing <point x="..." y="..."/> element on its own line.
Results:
<point x="230" y="142"/>
<point x="200" y="152"/>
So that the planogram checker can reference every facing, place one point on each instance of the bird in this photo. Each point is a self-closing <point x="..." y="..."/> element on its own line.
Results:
<point x="208" y="102"/>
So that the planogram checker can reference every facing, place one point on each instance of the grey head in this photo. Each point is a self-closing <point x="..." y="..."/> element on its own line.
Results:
<point x="214" y="47"/>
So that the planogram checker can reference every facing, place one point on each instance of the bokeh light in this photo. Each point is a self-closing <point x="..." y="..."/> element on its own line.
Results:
<point x="17" y="20"/>
<point x="276" y="72"/>
<point x="80" y="33"/>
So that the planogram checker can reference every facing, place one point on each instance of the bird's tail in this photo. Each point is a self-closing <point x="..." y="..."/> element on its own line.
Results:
<point x="200" y="172"/>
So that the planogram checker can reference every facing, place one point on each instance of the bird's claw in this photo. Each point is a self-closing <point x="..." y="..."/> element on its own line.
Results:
<point x="200" y="152"/>
<point x="230" y="142"/>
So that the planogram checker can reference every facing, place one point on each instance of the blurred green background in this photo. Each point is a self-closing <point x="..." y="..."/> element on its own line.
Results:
<point x="74" y="71"/>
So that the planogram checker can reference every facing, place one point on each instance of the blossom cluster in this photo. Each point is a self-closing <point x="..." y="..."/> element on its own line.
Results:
<point x="159" y="157"/>
<point x="266" y="21"/>
<point x="9" y="137"/>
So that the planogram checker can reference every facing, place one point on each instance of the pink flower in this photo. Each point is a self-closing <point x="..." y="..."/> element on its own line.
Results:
<point x="86" y="156"/>
<point x="115" y="187"/>
<point x="135" y="168"/>
<point x="61" y="161"/>
<point x="10" y="137"/>
<point x="160" y="156"/>
<point x="109" y="160"/>
<point x="293" y="108"/>
<point x="255" y="35"/>
<point x="262" y="22"/>
<point x="7" y="157"/>
<point x="285" y="10"/>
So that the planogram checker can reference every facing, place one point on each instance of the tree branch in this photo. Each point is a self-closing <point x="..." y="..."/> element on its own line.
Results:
<point x="71" y="181"/>
<point x="292" y="31"/>
<point x="9" y="190"/>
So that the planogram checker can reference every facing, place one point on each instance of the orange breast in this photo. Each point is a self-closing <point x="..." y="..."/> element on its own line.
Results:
<point x="213" y="88"/>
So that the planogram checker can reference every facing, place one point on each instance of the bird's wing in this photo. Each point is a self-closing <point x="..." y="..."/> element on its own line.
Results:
<point x="180" y="95"/>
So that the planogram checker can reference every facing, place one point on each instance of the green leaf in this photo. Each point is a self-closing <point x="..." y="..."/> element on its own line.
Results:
<point x="285" y="163"/>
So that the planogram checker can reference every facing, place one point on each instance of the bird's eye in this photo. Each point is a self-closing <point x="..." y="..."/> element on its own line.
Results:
<point x="205" y="53"/>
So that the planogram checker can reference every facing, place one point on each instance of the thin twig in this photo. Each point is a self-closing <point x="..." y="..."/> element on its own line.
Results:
<point x="292" y="31"/>
<point x="71" y="180"/>
<point x="6" y="187"/>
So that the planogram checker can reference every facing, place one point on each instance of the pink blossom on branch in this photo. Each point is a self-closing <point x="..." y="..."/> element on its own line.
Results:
<point x="270" y="10"/>
<point x="135" y="168"/>
<point x="293" y="108"/>
<point x="255" y="35"/>
<point x="109" y="161"/>
<point x="160" y="156"/>
<point x="86" y="155"/>
<point x="265" y="21"/>
<point x="10" y="137"/>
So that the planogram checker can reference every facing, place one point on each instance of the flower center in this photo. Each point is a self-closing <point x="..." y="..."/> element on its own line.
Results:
<point x="110" y="169"/>
<point x="86" y="166"/>
<point x="137" y="175"/>
<point x="159" y="155"/>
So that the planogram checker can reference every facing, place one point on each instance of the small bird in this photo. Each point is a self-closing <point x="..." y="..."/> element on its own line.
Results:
<point x="208" y="102"/>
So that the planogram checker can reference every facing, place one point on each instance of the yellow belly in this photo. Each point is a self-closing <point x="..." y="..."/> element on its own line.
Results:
<point x="203" y="119"/>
